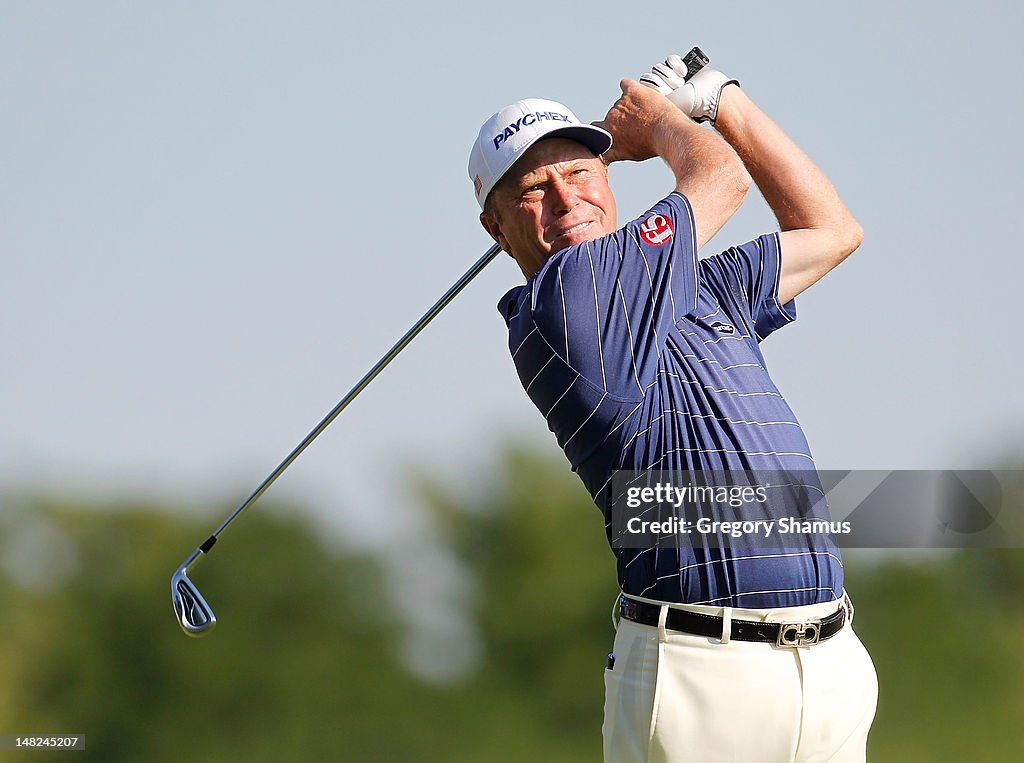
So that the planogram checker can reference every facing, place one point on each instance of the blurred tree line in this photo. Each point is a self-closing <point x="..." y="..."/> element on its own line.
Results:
<point x="305" y="665"/>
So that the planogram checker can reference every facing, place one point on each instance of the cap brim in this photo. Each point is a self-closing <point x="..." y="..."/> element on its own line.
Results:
<point x="594" y="138"/>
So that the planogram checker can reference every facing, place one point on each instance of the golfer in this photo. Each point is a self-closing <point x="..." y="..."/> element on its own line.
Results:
<point x="641" y="357"/>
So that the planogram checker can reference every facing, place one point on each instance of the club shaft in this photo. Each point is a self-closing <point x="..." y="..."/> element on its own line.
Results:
<point x="448" y="296"/>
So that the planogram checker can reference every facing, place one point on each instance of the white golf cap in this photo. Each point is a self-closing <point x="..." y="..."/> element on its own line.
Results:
<point x="508" y="134"/>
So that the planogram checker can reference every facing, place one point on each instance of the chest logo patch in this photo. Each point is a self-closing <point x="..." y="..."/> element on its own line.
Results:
<point x="656" y="230"/>
<point x="723" y="328"/>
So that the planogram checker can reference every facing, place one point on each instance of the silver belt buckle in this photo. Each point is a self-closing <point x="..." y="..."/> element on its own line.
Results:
<point x="799" y="634"/>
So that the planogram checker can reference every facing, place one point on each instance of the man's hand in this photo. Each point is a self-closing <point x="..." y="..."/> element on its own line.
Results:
<point x="644" y="124"/>
<point x="697" y="95"/>
<point x="637" y="123"/>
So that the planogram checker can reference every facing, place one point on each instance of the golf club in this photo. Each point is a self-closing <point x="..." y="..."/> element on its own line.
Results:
<point x="195" y="616"/>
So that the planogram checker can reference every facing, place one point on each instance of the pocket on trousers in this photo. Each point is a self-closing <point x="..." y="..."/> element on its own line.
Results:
<point x="612" y="679"/>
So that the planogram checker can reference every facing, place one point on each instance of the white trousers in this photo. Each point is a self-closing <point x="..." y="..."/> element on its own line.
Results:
<point x="674" y="697"/>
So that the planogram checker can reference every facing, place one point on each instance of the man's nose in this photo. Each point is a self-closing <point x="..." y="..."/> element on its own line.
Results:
<point x="564" y="197"/>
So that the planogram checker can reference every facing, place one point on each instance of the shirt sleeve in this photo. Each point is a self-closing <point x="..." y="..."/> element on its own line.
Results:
<point x="605" y="306"/>
<point x="752" y="271"/>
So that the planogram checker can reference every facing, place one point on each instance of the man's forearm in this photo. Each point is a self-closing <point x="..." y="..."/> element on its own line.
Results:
<point x="795" y="188"/>
<point x="707" y="171"/>
<point x="818" y="230"/>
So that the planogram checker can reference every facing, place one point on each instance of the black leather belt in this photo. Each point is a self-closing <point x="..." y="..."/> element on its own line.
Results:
<point x="806" y="633"/>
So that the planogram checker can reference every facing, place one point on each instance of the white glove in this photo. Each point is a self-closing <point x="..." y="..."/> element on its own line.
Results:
<point x="697" y="95"/>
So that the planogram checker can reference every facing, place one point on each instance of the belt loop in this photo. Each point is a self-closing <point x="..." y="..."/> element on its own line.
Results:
<point x="616" y="609"/>
<point x="662" y="618"/>
<point x="848" y="606"/>
<point x="726" y="625"/>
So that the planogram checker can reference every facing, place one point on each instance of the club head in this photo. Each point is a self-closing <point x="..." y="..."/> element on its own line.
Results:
<point x="194" y="615"/>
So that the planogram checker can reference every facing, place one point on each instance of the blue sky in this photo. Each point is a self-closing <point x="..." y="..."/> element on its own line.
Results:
<point x="215" y="217"/>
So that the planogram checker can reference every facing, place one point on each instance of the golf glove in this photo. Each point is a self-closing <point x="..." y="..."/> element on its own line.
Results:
<point x="696" y="95"/>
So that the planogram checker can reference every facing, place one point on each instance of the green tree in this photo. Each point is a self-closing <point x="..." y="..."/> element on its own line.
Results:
<point x="297" y="670"/>
<point x="304" y="664"/>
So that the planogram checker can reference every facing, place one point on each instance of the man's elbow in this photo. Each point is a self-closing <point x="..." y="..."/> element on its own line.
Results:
<point x="734" y="180"/>
<point x="841" y="239"/>
<point x="849" y="238"/>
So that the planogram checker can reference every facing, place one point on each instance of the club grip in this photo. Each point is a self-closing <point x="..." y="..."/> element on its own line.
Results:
<point x="695" y="60"/>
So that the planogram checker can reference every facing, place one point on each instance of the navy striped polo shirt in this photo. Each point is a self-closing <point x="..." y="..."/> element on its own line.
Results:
<point x="642" y="357"/>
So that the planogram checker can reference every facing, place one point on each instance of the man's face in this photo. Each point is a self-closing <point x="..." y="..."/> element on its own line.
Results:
<point x="555" y="196"/>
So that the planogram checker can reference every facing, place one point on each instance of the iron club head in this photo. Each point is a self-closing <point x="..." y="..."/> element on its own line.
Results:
<point x="194" y="615"/>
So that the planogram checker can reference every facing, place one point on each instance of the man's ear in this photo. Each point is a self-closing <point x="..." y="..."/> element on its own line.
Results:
<point x="493" y="228"/>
